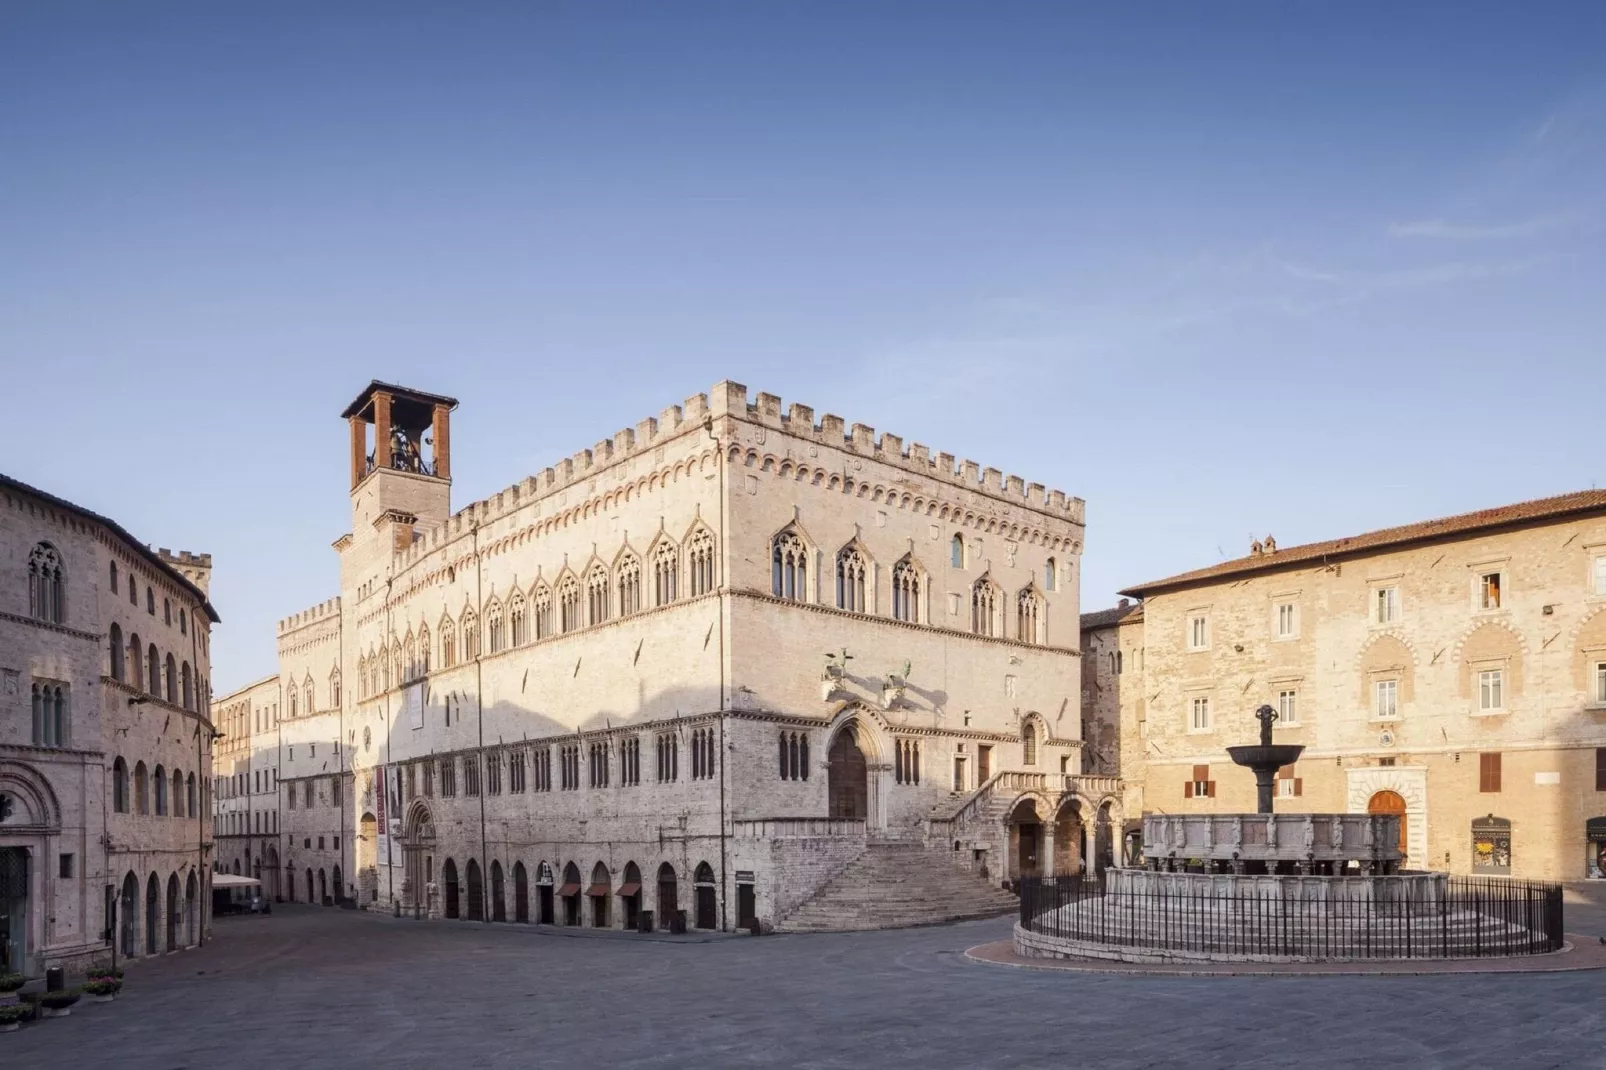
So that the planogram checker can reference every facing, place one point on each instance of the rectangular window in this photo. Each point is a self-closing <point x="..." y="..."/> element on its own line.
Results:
<point x="1600" y="682"/>
<point x="1201" y="715"/>
<point x="1600" y="768"/>
<point x="1489" y="772"/>
<point x="1387" y="605"/>
<point x="66" y="870"/>
<point x="1289" y="786"/>
<point x="1600" y="574"/>
<point x="1201" y="786"/>
<point x="1386" y="701"/>
<point x="1287" y="707"/>
<point x="1489" y="590"/>
<point x="1198" y="632"/>
<point x="1490" y="689"/>
<point x="1287" y="620"/>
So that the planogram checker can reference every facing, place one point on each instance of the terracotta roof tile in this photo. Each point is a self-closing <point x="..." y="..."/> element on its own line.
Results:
<point x="1104" y="618"/>
<point x="1564" y="505"/>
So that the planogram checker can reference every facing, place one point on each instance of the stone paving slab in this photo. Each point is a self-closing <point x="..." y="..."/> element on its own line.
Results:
<point x="1577" y="953"/>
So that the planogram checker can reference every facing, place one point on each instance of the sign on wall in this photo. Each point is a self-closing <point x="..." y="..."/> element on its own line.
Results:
<point x="414" y="699"/>
<point x="381" y="825"/>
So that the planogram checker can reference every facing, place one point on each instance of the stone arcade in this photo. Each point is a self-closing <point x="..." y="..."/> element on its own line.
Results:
<point x="734" y="662"/>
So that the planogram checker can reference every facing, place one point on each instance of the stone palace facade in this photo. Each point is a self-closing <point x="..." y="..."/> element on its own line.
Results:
<point x="1452" y="671"/>
<point x="704" y="666"/>
<point x="105" y="742"/>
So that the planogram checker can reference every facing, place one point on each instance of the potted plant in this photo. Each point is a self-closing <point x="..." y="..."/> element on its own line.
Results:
<point x="12" y="1016"/>
<point x="102" y="989"/>
<point x="58" y="1004"/>
<point x="9" y="983"/>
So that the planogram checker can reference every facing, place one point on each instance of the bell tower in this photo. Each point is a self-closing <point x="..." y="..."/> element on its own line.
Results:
<point x="401" y="462"/>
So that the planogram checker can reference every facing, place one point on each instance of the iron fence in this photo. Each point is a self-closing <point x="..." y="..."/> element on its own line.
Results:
<point x="1426" y="917"/>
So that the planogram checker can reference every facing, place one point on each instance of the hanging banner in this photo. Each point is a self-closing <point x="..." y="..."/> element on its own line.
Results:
<point x="413" y="697"/>
<point x="381" y="826"/>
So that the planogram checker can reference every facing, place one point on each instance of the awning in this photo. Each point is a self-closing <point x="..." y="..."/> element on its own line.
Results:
<point x="630" y="888"/>
<point x="572" y="888"/>
<point x="600" y="890"/>
<point x="230" y="880"/>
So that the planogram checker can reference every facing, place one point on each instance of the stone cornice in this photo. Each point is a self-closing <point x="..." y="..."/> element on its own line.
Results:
<point x="60" y="629"/>
<point x="151" y="700"/>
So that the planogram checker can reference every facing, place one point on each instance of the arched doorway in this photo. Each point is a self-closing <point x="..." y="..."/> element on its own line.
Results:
<point x="172" y="912"/>
<point x="569" y="892"/>
<point x="543" y="880"/>
<point x="707" y="914"/>
<point x="418" y="840"/>
<point x="1104" y="838"/>
<point x="847" y="776"/>
<point x="237" y="867"/>
<point x="1070" y="840"/>
<point x="189" y="910"/>
<point x="270" y="885"/>
<point x="1390" y="802"/>
<point x="153" y="913"/>
<point x="130" y="909"/>
<point x="323" y="886"/>
<point x="599" y="893"/>
<point x="498" y="893"/>
<point x="521" y="893"/>
<point x="668" y="896"/>
<point x="449" y="879"/>
<point x="368" y="844"/>
<point x="336" y="886"/>
<point x="630" y="896"/>
<point x="476" y="892"/>
<point x="311" y="895"/>
<point x="1025" y="840"/>
<point x="14" y="912"/>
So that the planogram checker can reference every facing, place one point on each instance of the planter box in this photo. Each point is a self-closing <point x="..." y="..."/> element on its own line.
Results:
<point x="9" y="1027"/>
<point x="102" y="999"/>
<point x="55" y="1012"/>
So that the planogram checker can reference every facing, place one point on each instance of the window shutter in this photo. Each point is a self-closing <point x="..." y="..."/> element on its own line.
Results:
<point x="1299" y="785"/>
<point x="1187" y="790"/>
<point x="1210" y="788"/>
<point x="1600" y="768"/>
<point x="1201" y="772"/>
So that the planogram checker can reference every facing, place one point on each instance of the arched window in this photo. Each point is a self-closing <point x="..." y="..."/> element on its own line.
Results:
<point x="1050" y="575"/>
<point x="178" y="793"/>
<point x="114" y="587"/>
<point x="115" y="643"/>
<point x="133" y="592"/>
<point x="307" y="695"/>
<point x="120" y="785"/>
<point x="789" y="567"/>
<point x="597" y="595"/>
<point x="46" y="597"/>
<point x="629" y="573"/>
<point x="188" y="681"/>
<point x="161" y="791"/>
<point x="542" y="599"/>
<point x="136" y="661"/>
<point x="153" y="671"/>
<point x="700" y="558"/>
<point x="171" y="680"/>
<point x="956" y="551"/>
<point x="569" y="604"/>
<point x="150" y="601"/>
<point x="334" y="689"/>
<point x="794" y="756"/>
<point x="518" y="618"/>
<point x="665" y="572"/>
<point x="49" y="715"/>
<point x="183" y="623"/>
<point x="984" y="607"/>
<point x="850" y="569"/>
<point x="493" y="626"/>
<point x="292" y="699"/>
<point x="142" y="794"/>
<point x="362" y="677"/>
<point x="906" y="590"/>
<point x="409" y="658"/>
<point x="1029" y="616"/>
<point x="1028" y="743"/>
<point x="448" y="643"/>
<point x="423" y="652"/>
<point x="471" y="635"/>
<point x="189" y="795"/>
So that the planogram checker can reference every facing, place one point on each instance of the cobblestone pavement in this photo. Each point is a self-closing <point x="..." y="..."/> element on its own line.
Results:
<point x="308" y="988"/>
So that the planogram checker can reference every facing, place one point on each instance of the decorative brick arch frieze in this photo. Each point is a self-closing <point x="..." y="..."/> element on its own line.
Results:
<point x="1586" y="646"/>
<point x="1378" y="657"/>
<point x="1487" y="641"/>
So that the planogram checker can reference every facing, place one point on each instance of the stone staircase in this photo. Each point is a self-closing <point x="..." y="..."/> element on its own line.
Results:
<point x="894" y="885"/>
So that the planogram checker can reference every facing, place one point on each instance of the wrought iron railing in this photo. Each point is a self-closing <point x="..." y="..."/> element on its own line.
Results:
<point x="1394" y="918"/>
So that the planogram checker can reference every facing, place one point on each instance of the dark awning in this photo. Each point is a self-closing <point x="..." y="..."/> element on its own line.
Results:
<point x="600" y="889"/>
<point x="572" y="888"/>
<point x="630" y="888"/>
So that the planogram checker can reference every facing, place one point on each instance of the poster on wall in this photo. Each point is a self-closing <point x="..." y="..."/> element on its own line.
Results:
<point x="381" y="825"/>
<point x="414" y="698"/>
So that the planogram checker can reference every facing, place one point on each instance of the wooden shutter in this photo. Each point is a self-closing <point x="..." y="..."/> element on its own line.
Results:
<point x="1210" y="788"/>
<point x="1600" y="768"/>
<point x="1187" y="790"/>
<point x="1489" y="772"/>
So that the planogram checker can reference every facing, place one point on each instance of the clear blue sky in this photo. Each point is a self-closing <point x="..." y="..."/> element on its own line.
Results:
<point x="1217" y="268"/>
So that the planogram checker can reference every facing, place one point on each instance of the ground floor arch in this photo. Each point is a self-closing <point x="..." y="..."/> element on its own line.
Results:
<point x="707" y="902"/>
<point x="476" y="891"/>
<point x="153" y="913"/>
<point x="130" y="915"/>
<point x="1393" y="803"/>
<point x="569" y="894"/>
<point x="847" y="774"/>
<point x="668" y="896"/>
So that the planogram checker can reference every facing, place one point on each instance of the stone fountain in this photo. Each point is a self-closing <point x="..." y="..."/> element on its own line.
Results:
<point x="1265" y="759"/>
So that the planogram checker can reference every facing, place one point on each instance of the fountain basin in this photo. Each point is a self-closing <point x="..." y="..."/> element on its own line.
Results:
<point x="1271" y="756"/>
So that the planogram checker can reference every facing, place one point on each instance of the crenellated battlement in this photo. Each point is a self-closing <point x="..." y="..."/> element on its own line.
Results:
<point x="184" y="557"/>
<point x="321" y="611"/>
<point x="730" y="400"/>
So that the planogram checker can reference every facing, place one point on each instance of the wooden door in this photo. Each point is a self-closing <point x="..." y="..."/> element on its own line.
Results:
<point x="984" y="764"/>
<point x="1389" y="802"/>
<point x="847" y="777"/>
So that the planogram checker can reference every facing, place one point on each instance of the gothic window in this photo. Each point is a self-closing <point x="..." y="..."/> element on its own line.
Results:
<point x="448" y="632"/>
<point x="115" y="643"/>
<point x="136" y="661"/>
<point x="1029" y="617"/>
<point x="541" y="767"/>
<point x="290" y="697"/>
<point x="906" y="590"/>
<point x="569" y="766"/>
<point x="629" y="585"/>
<point x="702" y="754"/>
<point x="167" y="612"/>
<point x="956" y="551"/>
<point x="170" y="684"/>
<point x="178" y="793"/>
<point x="789" y="567"/>
<point x="423" y="652"/>
<point x="49" y="715"/>
<point x="493" y="773"/>
<point x="471" y="774"/>
<point x="597" y="764"/>
<point x="384" y="669"/>
<point x="142" y="796"/>
<point x="120" y="785"/>
<point x="183" y="623"/>
<point x="794" y="755"/>
<point x="448" y="778"/>
<point x="850" y="569"/>
<point x="493" y="626"/>
<point x="114" y="587"/>
<point x="700" y="557"/>
<point x="189" y="799"/>
<point x="1028" y="743"/>
<point x="133" y="592"/>
<point x="306" y="694"/>
<point x="1050" y="577"/>
<point x="160" y="777"/>
<point x="46" y="600"/>
<point x="188" y="682"/>
<point x="906" y="761"/>
<point x="668" y="758"/>
<point x="984" y="607"/>
<point x="429" y="780"/>
<point x="630" y="762"/>
<point x="150" y="601"/>
<point x="153" y="672"/>
<point x="518" y="619"/>
<point x="515" y="772"/>
<point x="597" y="595"/>
<point x="569" y="604"/>
<point x="665" y="571"/>
<point x="542" y="599"/>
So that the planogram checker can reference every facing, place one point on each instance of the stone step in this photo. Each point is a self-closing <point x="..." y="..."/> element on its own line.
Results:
<point x="895" y="885"/>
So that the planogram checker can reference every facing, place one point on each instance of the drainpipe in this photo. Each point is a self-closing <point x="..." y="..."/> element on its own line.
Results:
<point x="719" y="464"/>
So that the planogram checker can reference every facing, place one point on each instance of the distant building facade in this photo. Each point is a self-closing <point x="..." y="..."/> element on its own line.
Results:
<point x="1453" y="671"/>
<point x="696" y="668"/>
<point x="105" y="741"/>
<point x="245" y="790"/>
